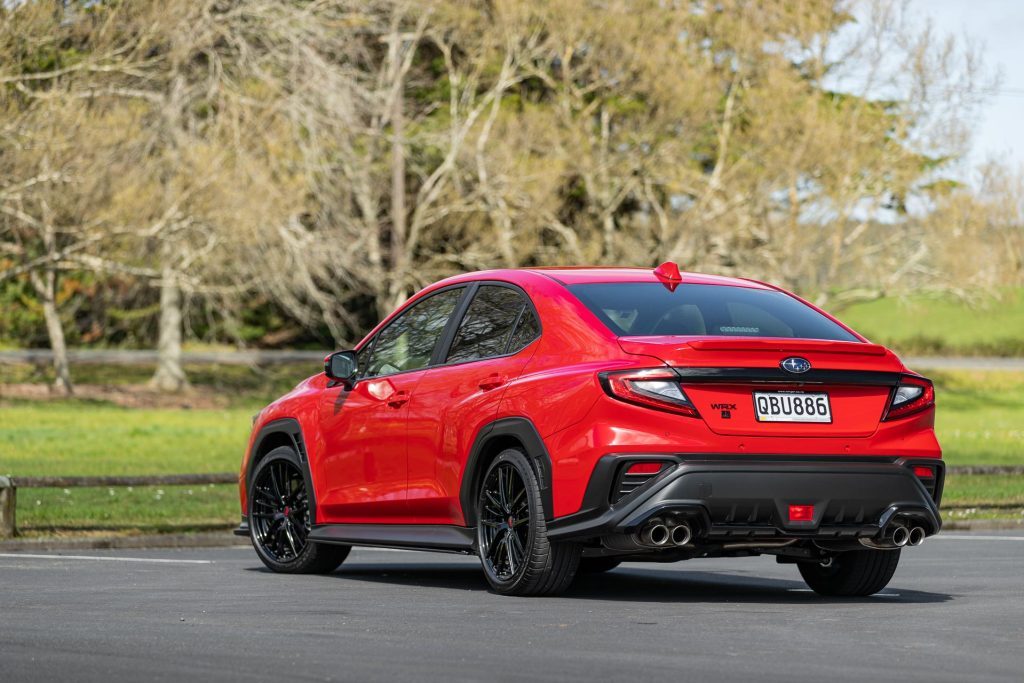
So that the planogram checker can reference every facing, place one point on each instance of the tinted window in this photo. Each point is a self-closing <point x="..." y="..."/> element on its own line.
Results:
<point x="650" y="309"/>
<point x="408" y="341"/>
<point x="527" y="329"/>
<point x="487" y="327"/>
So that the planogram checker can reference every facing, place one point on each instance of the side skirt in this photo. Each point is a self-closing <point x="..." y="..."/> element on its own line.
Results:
<point x="432" y="537"/>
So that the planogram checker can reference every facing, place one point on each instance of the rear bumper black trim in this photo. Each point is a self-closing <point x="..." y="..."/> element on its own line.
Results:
<point x="435" y="537"/>
<point x="242" y="529"/>
<point x="702" y="484"/>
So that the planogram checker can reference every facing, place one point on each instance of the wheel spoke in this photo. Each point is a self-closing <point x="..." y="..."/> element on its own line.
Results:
<point x="494" y="545"/>
<point x="507" y="542"/>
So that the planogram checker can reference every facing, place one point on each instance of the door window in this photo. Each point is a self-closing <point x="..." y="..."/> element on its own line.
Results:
<point x="492" y="324"/>
<point x="408" y="342"/>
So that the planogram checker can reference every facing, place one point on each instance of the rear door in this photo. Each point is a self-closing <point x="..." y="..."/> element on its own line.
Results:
<point x="489" y="348"/>
<point x="364" y="469"/>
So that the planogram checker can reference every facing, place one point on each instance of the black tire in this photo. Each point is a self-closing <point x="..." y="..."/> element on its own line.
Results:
<point x="852" y="574"/>
<point x="517" y="557"/>
<point x="280" y="518"/>
<point x="597" y="565"/>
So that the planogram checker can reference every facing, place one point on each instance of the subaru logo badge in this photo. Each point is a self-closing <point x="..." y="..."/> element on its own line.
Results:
<point x="796" y="365"/>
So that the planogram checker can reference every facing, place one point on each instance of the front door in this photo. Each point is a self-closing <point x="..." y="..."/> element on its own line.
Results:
<point x="364" y="468"/>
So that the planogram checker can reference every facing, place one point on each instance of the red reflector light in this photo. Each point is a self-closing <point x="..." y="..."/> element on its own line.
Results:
<point x="801" y="513"/>
<point x="923" y="472"/>
<point x="644" y="468"/>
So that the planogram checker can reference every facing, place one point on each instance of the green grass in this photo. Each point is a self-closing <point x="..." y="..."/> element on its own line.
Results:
<point x="980" y="417"/>
<point x="76" y="438"/>
<point x="929" y="325"/>
<point x="147" y="509"/>
<point x="980" y="489"/>
<point x="980" y="420"/>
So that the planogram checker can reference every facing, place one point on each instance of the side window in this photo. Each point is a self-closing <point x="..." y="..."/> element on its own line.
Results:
<point x="527" y="330"/>
<point x="408" y="341"/>
<point x="490" y="324"/>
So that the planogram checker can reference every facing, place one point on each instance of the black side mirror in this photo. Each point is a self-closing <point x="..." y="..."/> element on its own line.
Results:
<point x="342" y="366"/>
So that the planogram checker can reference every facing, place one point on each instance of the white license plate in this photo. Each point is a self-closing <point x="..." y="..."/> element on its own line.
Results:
<point x="791" y="406"/>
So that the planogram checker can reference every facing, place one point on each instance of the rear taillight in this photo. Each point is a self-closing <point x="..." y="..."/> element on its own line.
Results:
<point x="653" y="388"/>
<point x="912" y="395"/>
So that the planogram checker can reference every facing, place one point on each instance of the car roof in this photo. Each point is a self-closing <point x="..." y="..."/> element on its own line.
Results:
<point x="579" y="275"/>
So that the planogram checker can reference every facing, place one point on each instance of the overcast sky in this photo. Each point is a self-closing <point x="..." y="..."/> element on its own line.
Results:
<point x="998" y="27"/>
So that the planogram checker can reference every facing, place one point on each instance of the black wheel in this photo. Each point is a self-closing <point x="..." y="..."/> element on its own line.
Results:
<point x="512" y="537"/>
<point x="853" y="573"/>
<point x="280" y="519"/>
<point x="597" y="565"/>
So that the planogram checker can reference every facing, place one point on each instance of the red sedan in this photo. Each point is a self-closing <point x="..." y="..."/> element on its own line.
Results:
<point x="564" y="420"/>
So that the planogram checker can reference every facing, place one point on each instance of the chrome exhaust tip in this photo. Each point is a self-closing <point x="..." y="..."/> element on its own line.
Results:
<point x="682" y="534"/>
<point x="656" y="534"/>
<point x="900" y="536"/>
<point x="917" y="536"/>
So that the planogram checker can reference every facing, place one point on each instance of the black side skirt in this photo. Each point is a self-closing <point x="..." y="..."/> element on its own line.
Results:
<point x="435" y="537"/>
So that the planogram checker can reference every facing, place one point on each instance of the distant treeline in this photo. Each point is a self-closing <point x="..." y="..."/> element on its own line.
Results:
<point x="285" y="172"/>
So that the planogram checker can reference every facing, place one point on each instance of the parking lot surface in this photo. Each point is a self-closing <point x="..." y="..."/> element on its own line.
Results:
<point x="953" y="612"/>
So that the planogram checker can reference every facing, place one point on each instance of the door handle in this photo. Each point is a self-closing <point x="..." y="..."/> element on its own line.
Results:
<point x="492" y="381"/>
<point x="399" y="399"/>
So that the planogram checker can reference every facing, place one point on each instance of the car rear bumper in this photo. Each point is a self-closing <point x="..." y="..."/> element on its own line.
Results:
<point x="731" y="498"/>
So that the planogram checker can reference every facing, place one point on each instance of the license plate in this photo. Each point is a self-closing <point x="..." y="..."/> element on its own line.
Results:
<point x="791" y="406"/>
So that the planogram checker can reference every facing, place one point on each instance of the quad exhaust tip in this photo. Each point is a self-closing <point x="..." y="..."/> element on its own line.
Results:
<point x="916" y="537"/>
<point x="900" y="536"/>
<point x="681" y="534"/>
<point x="656" y="534"/>
<point x="660" y="534"/>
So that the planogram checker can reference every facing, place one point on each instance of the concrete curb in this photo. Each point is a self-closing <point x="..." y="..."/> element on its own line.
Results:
<point x="217" y="539"/>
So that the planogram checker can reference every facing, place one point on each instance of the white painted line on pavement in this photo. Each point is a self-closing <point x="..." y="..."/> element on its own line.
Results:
<point x="953" y="537"/>
<point x="103" y="559"/>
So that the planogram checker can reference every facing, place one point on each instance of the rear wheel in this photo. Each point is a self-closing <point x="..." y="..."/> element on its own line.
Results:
<point x="853" y="573"/>
<point x="280" y="519"/>
<point x="517" y="557"/>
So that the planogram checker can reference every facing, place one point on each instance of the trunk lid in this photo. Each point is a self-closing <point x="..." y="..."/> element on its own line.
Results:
<point x="722" y="375"/>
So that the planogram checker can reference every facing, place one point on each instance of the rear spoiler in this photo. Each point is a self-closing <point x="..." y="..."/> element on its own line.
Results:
<point x="788" y="346"/>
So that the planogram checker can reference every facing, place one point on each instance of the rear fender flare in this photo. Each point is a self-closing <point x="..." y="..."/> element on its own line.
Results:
<point x="504" y="431"/>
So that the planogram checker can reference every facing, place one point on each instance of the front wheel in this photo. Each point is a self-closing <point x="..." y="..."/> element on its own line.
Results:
<point x="517" y="557"/>
<point x="280" y="519"/>
<point x="852" y="574"/>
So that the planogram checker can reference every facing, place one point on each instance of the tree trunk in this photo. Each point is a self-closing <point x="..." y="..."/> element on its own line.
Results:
<point x="46" y="287"/>
<point x="399" y="226"/>
<point x="169" y="374"/>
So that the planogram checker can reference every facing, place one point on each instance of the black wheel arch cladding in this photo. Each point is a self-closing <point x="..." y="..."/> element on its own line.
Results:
<point x="283" y="432"/>
<point x="509" y="432"/>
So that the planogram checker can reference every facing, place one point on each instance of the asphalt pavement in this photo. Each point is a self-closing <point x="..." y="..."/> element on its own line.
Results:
<point x="953" y="612"/>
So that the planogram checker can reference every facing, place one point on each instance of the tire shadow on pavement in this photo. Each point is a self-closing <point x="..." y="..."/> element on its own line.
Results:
<point x="636" y="585"/>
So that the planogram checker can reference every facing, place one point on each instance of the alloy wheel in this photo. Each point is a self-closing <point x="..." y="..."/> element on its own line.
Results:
<point x="280" y="514"/>
<point x="504" y="521"/>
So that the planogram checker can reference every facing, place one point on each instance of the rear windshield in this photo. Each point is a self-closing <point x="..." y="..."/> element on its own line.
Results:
<point x="643" y="309"/>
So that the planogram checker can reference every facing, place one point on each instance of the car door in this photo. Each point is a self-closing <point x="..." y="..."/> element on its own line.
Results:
<point x="364" y="467"/>
<point x="489" y="348"/>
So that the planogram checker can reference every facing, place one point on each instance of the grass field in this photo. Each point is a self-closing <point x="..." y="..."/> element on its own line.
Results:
<point x="928" y="325"/>
<point x="980" y="420"/>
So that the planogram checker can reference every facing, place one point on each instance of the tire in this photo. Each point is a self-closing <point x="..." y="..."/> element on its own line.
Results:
<point x="517" y="557"/>
<point x="597" y="565"/>
<point x="280" y="518"/>
<point x="856" y="573"/>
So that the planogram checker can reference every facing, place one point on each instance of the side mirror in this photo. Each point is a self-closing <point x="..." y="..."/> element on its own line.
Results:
<point x="341" y="366"/>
